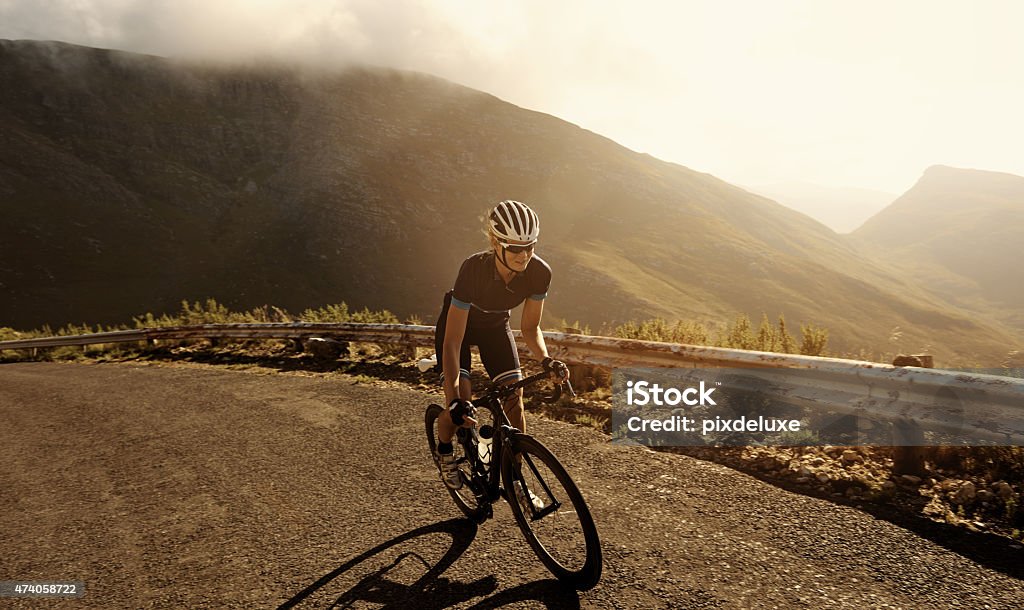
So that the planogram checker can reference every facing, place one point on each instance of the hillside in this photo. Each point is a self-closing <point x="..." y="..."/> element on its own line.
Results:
<point x="130" y="182"/>
<point x="959" y="231"/>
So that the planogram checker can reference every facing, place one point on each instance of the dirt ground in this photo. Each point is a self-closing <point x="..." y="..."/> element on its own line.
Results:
<point x="167" y="485"/>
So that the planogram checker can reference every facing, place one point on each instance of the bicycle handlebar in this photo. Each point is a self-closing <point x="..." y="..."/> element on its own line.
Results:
<point x="503" y="391"/>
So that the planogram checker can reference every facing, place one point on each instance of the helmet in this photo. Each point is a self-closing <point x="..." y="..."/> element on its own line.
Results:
<point x="514" y="221"/>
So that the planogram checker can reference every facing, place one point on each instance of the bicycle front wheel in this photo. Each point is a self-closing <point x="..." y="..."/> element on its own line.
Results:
<point x="553" y="516"/>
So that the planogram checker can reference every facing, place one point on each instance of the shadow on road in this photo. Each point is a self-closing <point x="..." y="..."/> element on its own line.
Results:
<point x="550" y="593"/>
<point x="382" y="570"/>
<point x="989" y="550"/>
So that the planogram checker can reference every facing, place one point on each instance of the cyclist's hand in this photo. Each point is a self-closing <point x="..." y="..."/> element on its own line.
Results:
<point x="461" y="412"/>
<point x="557" y="367"/>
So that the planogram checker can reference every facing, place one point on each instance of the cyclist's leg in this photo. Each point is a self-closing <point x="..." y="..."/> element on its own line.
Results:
<point x="501" y="359"/>
<point x="445" y="426"/>
<point x="447" y="460"/>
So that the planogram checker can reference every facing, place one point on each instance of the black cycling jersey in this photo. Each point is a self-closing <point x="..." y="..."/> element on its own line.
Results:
<point x="480" y="289"/>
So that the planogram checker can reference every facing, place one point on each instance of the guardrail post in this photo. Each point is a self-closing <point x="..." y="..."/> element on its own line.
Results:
<point x="908" y="456"/>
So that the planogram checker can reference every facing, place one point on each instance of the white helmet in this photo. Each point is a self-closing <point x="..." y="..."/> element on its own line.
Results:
<point x="514" y="221"/>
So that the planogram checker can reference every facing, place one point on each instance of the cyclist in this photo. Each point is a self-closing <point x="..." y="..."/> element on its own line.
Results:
<point x="476" y="312"/>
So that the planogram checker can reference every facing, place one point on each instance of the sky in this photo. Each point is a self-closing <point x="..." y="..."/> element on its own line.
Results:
<point x="861" y="94"/>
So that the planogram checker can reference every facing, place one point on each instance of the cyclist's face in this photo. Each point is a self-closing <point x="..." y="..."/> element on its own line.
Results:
<point x="517" y="260"/>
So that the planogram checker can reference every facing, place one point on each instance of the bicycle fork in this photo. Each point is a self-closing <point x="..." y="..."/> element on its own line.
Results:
<point x="552" y="503"/>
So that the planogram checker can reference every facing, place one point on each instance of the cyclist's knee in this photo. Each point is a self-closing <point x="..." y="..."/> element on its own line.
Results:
<point x="514" y="403"/>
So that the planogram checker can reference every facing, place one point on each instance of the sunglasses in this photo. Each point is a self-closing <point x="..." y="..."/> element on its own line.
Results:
<point x="516" y="249"/>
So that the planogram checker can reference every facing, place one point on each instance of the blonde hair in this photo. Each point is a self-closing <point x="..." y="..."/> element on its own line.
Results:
<point x="492" y="239"/>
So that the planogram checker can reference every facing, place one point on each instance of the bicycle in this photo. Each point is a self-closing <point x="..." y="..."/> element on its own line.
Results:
<point x="555" y="518"/>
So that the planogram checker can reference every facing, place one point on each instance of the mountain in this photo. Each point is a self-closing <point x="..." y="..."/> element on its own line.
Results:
<point x="960" y="232"/>
<point x="840" y="209"/>
<point x="130" y="182"/>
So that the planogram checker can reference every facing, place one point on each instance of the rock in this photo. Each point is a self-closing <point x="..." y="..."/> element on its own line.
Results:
<point x="853" y="491"/>
<point x="986" y="496"/>
<point x="934" y="508"/>
<point x="966" y="494"/>
<point x="818" y="461"/>
<point x="1003" y="489"/>
<point x="805" y="471"/>
<point x="823" y="478"/>
<point x="852" y="457"/>
<point x="905" y="360"/>
<point x="326" y="349"/>
<point x="888" y="487"/>
<point x="909" y="479"/>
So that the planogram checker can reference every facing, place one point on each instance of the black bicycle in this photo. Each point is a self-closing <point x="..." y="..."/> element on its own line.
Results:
<point x="553" y="515"/>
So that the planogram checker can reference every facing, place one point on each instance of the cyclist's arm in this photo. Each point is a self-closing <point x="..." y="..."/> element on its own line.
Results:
<point x="532" y="310"/>
<point x="455" y="331"/>
<point x="534" y="338"/>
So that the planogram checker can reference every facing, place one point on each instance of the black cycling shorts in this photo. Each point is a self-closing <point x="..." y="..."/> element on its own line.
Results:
<point x="497" y="348"/>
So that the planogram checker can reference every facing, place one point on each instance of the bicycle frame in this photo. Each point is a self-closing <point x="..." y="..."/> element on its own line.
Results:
<point x="568" y="545"/>
<point x="486" y="483"/>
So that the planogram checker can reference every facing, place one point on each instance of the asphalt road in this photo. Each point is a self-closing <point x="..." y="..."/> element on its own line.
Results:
<point x="194" y="486"/>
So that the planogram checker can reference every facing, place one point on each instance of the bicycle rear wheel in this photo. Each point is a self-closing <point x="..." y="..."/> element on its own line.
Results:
<point x="562" y="532"/>
<point x="471" y="498"/>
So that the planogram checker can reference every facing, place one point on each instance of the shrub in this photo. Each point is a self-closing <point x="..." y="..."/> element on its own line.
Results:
<point x="814" y="340"/>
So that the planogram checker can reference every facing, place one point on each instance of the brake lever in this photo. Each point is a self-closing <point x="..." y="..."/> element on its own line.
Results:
<point x="556" y="392"/>
<point x="569" y="387"/>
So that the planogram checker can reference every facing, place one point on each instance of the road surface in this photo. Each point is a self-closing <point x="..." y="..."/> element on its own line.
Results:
<point x="196" y="486"/>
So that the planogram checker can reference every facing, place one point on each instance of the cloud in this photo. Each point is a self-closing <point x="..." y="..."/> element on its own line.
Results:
<point x="519" y="49"/>
<point x="795" y="90"/>
<point x="304" y="30"/>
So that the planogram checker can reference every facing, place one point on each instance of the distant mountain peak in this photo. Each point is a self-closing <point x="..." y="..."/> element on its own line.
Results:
<point x="943" y="169"/>
<point x="958" y="179"/>
<point x="961" y="223"/>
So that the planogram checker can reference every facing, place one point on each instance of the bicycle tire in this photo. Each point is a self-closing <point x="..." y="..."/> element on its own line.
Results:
<point x="470" y="501"/>
<point x="558" y="536"/>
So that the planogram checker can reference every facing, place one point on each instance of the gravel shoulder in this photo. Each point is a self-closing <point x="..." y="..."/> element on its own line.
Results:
<point x="196" y="486"/>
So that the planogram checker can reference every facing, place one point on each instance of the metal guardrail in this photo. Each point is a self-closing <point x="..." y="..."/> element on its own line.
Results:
<point x="370" y="333"/>
<point x="984" y="408"/>
<point x="987" y="406"/>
